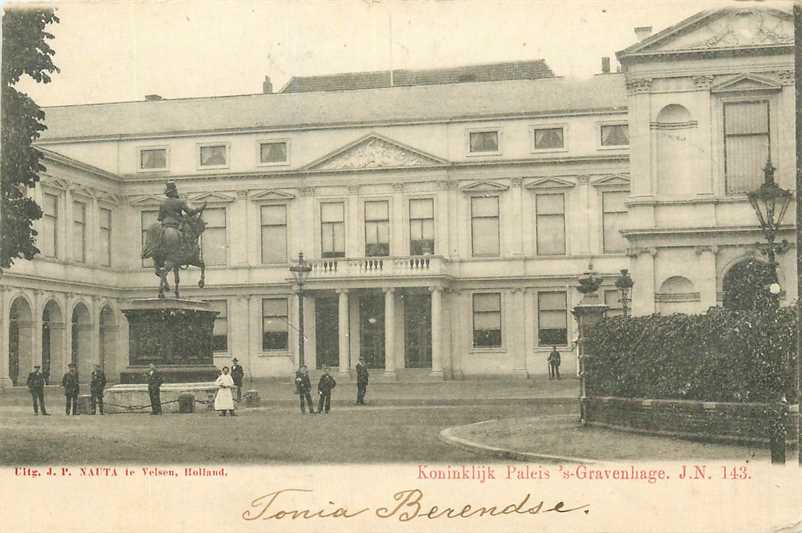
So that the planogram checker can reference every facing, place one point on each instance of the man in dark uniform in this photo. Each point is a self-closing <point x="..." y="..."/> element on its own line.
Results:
<point x="361" y="381"/>
<point x="554" y="363"/>
<point x="96" y="385"/>
<point x="171" y="216"/>
<point x="154" y="379"/>
<point x="324" y="388"/>
<point x="36" y="384"/>
<point x="237" y="373"/>
<point x="71" y="389"/>
<point x="303" y="387"/>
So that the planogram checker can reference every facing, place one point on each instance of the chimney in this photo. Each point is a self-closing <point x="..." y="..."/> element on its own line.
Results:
<point x="605" y="65"/>
<point x="642" y="32"/>
<point x="153" y="97"/>
<point x="267" y="86"/>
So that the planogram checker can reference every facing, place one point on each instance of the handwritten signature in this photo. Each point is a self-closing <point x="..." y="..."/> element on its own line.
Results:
<point x="408" y="505"/>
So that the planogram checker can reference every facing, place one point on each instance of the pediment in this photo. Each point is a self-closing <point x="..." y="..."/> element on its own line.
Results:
<point x="271" y="194"/>
<point x="107" y="197"/>
<point x="549" y="183"/>
<point x="484" y="186"/>
<point x="611" y="181"/>
<point x="57" y="183"/>
<point x="746" y="82"/>
<point x="150" y="200"/>
<point x="375" y="151"/>
<point x="80" y="190"/>
<point x="723" y="28"/>
<point x="211" y="197"/>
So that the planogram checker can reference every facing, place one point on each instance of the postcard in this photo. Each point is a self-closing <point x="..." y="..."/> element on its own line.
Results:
<point x="386" y="265"/>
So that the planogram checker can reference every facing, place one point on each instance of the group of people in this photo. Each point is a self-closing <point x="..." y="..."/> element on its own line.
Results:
<point x="325" y="386"/>
<point x="72" y="388"/>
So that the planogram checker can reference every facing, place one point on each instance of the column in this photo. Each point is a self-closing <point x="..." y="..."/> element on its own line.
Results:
<point x="708" y="277"/>
<point x="36" y="324"/>
<point x="342" y="331"/>
<point x="515" y="236"/>
<point x="442" y="216"/>
<point x="310" y="330"/>
<point x="5" y="381"/>
<point x="517" y="334"/>
<point x="238" y="232"/>
<point x="437" y="331"/>
<point x="64" y="227"/>
<point x="389" y="332"/>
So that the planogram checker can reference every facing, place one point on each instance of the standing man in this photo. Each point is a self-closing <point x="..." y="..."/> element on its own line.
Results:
<point x="71" y="389"/>
<point x="154" y="379"/>
<point x="237" y="373"/>
<point x="554" y="363"/>
<point x="96" y="385"/>
<point x="36" y="384"/>
<point x="324" y="388"/>
<point x="303" y="387"/>
<point x="361" y="381"/>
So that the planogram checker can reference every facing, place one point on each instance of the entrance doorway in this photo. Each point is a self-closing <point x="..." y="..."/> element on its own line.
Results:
<point x="418" y="330"/>
<point x="327" y="332"/>
<point x="371" y="328"/>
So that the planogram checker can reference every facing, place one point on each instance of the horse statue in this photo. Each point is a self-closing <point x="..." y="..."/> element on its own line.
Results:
<point x="174" y="242"/>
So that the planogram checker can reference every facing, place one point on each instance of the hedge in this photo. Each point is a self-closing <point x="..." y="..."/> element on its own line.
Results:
<point x="721" y="356"/>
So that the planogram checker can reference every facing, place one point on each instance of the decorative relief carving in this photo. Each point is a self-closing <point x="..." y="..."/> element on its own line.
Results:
<point x="516" y="182"/>
<point x="786" y="77"/>
<point x="375" y="152"/>
<point x="745" y="27"/>
<point x="713" y="249"/>
<point x="639" y="85"/>
<point x="398" y="187"/>
<point x="306" y="191"/>
<point x="353" y="189"/>
<point x="703" y="82"/>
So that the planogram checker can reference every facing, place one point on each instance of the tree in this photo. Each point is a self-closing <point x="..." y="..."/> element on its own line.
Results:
<point x="25" y="51"/>
<point x="745" y="286"/>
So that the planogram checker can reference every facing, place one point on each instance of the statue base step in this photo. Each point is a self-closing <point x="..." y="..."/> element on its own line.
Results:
<point x="171" y="374"/>
<point x="134" y="398"/>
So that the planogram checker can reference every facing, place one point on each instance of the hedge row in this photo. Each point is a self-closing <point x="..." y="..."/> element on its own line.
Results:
<point x="723" y="356"/>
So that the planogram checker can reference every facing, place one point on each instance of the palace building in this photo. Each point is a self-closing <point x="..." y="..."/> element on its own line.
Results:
<point x="446" y="217"/>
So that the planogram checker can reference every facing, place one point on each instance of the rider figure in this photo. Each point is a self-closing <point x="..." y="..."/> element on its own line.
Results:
<point x="171" y="214"/>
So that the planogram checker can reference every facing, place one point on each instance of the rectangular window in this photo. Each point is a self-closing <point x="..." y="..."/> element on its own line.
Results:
<point x="273" y="152"/>
<point x="153" y="159"/>
<point x="48" y="238"/>
<point x="485" y="226"/>
<point x="614" y="135"/>
<point x="377" y="229"/>
<point x="487" y="320"/>
<point x="612" y="299"/>
<point x="274" y="234"/>
<point x="552" y="316"/>
<point x="79" y="232"/>
<point x="104" y="248"/>
<point x="550" y="224"/>
<point x="220" y="334"/>
<point x="421" y="226"/>
<point x="148" y="218"/>
<point x="275" y="325"/>
<point x="747" y="144"/>
<point x="615" y="215"/>
<point x="214" y="155"/>
<point x="483" y="142"/>
<point x="548" y="138"/>
<point x="214" y="238"/>
<point x="332" y="230"/>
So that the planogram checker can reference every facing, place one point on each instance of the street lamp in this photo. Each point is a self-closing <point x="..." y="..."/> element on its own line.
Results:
<point x="624" y="283"/>
<point x="770" y="203"/>
<point x="299" y="272"/>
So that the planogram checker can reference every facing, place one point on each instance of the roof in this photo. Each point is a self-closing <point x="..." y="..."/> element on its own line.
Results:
<point x="517" y="70"/>
<point x="337" y="108"/>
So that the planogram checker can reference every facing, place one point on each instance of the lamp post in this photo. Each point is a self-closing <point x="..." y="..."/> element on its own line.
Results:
<point x="770" y="203"/>
<point x="624" y="283"/>
<point x="299" y="272"/>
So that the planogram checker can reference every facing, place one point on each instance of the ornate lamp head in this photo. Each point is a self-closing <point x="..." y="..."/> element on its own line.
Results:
<point x="769" y="202"/>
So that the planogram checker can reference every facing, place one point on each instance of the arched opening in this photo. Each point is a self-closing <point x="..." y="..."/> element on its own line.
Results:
<point x="52" y="341"/>
<point x="745" y="285"/>
<point x="674" y="129"/>
<point x="108" y="340"/>
<point x="677" y="294"/>
<point x="20" y="339"/>
<point x="81" y="353"/>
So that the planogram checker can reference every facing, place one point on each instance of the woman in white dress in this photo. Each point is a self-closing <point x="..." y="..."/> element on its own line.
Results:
<point x="224" y="401"/>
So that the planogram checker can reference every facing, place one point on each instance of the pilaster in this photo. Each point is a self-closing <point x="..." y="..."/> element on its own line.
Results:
<point x="708" y="275"/>
<point x="343" y="331"/>
<point x="437" y="330"/>
<point x="389" y="332"/>
<point x="517" y="335"/>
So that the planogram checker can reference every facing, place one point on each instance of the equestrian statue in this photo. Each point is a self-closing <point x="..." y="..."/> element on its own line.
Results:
<point x="173" y="241"/>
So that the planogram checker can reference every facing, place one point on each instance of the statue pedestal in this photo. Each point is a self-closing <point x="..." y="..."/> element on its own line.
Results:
<point x="175" y="335"/>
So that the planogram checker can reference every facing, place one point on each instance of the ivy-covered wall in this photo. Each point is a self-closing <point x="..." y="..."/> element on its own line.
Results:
<point x="721" y="356"/>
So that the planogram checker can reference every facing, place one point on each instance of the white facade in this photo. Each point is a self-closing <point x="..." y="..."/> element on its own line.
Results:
<point x="446" y="225"/>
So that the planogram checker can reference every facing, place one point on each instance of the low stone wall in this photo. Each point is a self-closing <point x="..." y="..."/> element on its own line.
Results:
<point x="737" y="423"/>
<point x="135" y="399"/>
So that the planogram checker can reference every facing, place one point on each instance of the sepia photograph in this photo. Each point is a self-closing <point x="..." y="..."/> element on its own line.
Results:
<point x="395" y="265"/>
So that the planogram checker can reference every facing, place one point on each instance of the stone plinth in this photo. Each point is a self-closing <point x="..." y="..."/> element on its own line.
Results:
<point x="175" y="335"/>
<point x="134" y="398"/>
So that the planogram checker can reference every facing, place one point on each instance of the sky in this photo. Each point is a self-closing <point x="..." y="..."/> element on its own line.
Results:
<point x="114" y="50"/>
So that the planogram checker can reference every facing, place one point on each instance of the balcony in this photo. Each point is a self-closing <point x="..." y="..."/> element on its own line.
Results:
<point x="344" y="267"/>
